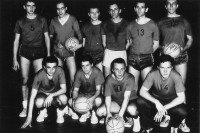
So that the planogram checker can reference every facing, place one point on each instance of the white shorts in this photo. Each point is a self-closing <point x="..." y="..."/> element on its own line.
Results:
<point x="110" y="55"/>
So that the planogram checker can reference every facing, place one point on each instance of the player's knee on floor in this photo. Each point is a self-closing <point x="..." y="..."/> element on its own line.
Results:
<point x="63" y="99"/>
<point x="98" y="101"/>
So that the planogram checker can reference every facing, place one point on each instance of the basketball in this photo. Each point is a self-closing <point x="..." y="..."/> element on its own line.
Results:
<point x="71" y="42"/>
<point x="115" y="125"/>
<point x="81" y="105"/>
<point x="172" y="49"/>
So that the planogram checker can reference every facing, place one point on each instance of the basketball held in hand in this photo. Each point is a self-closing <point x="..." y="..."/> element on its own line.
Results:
<point x="82" y="105"/>
<point x="71" y="43"/>
<point x="172" y="49"/>
<point x="114" y="125"/>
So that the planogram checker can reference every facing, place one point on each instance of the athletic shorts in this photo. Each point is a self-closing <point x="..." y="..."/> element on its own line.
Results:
<point x="110" y="55"/>
<point x="62" y="53"/>
<point x="183" y="58"/>
<point x="139" y="62"/>
<point x="31" y="53"/>
<point x="96" y="56"/>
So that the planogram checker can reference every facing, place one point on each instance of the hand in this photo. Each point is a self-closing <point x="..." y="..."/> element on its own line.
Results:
<point x="73" y="49"/>
<point x="48" y="100"/>
<point x="158" y="117"/>
<point x="119" y="117"/>
<point x="27" y="122"/>
<point x="108" y="117"/>
<point x="15" y="65"/>
<point x="90" y="101"/>
<point x="161" y="109"/>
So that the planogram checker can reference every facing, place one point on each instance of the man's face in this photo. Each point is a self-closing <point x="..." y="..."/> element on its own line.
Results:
<point x="119" y="70"/>
<point x="94" y="14"/>
<point x="51" y="68"/>
<point x="61" y="9"/>
<point x="171" y="6"/>
<point x="86" y="67"/>
<point x="140" y="9"/>
<point x="30" y="7"/>
<point x="114" y="11"/>
<point x="165" y="69"/>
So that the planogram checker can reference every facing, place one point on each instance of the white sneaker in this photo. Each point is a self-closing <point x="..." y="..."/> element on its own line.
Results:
<point x="184" y="127"/>
<point x="129" y="122"/>
<point x="165" y="122"/>
<point x="174" y="130"/>
<point x="101" y="121"/>
<point x="136" y="127"/>
<point x="83" y="118"/>
<point x="23" y="113"/>
<point x="66" y="110"/>
<point x="94" y="119"/>
<point x="42" y="114"/>
<point x="60" y="114"/>
<point x="72" y="114"/>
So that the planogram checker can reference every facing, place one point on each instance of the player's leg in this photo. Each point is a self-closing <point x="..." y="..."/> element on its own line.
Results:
<point x="97" y="103"/>
<point x="62" y="107"/>
<point x="182" y="69"/>
<point x="135" y="73"/>
<point x="37" y="64"/>
<point x="145" y="71"/>
<point x="39" y="102"/>
<point x="71" y="110"/>
<point x="133" y="112"/>
<point x="71" y="65"/>
<point x="25" y="67"/>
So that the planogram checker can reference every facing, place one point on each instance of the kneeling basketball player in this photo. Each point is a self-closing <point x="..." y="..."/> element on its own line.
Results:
<point x="49" y="88"/>
<point x="88" y="83"/>
<point x="120" y="94"/>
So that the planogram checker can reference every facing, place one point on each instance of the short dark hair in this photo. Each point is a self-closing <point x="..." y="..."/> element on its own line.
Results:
<point x="166" y="2"/>
<point x="117" y="60"/>
<point x="114" y="3"/>
<point x="87" y="58"/>
<point x="165" y="58"/>
<point x="26" y="1"/>
<point x="93" y="6"/>
<point x="142" y="1"/>
<point x="50" y="59"/>
<point x="59" y="2"/>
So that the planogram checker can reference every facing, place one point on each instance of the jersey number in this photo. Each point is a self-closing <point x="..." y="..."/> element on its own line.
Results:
<point x="140" y="32"/>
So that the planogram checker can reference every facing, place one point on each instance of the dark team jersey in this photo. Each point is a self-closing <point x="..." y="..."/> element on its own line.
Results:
<point x="116" y="89"/>
<point x="32" y="30"/>
<point x="88" y="85"/>
<point x="43" y="84"/>
<point x="63" y="32"/>
<point x="174" y="30"/>
<point x="143" y="36"/>
<point x="165" y="89"/>
<point x="93" y="39"/>
<point x="116" y="35"/>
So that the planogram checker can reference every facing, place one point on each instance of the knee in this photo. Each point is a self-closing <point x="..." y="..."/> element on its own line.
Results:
<point x="24" y="80"/>
<point x="141" y="101"/>
<point x="62" y="99"/>
<point x="39" y="102"/>
<point x="98" y="101"/>
<point x="132" y="110"/>
<point x="181" y="111"/>
<point x="101" y="111"/>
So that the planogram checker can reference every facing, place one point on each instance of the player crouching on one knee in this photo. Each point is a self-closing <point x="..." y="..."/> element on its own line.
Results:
<point x="49" y="88"/>
<point x="120" y="94"/>
<point x="166" y="98"/>
<point x="88" y="83"/>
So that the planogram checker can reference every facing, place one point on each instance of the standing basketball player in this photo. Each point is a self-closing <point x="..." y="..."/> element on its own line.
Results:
<point x="114" y="39"/>
<point x="92" y="40"/>
<point x="61" y="28"/>
<point x="88" y="83"/>
<point x="174" y="29"/>
<point x="33" y="29"/>
<point x="120" y="94"/>
<point x="165" y="99"/>
<point x="49" y="88"/>
<point x="144" y="34"/>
